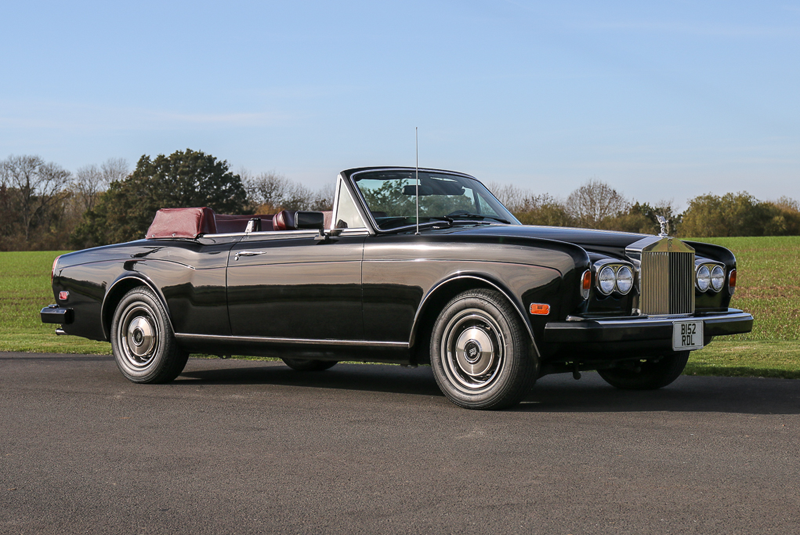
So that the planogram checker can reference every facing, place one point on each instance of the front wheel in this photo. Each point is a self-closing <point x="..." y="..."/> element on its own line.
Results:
<point x="142" y="341"/>
<point x="648" y="374"/>
<point x="481" y="354"/>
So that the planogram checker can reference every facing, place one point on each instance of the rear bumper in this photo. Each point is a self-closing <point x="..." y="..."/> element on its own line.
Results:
<point x="657" y="330"/>
<point x="56" y="314"/>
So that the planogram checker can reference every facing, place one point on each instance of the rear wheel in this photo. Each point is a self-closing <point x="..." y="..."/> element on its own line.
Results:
<point x="647" y="374"/>
<point x="481" y="354"/>
<point x="144" y="346"/>
<point x="309" y="365"/>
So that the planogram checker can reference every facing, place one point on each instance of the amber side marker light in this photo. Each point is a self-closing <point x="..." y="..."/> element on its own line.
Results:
<point x="732" y="281"/>
<point x="540" y="309"/>
<point x="586" y="284"/>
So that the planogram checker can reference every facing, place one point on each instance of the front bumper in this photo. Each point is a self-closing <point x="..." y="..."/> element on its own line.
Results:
<point x="56" y="314"/>
<point x="657" y="330"/>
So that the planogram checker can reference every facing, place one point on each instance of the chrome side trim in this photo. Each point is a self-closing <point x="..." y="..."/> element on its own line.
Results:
<point x="297" y="341"/>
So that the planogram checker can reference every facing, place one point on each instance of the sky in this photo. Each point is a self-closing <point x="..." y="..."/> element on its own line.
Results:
<point x="663" y="100"/>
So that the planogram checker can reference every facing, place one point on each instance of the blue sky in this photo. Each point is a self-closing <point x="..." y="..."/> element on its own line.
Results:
<point x="662" y="100"/>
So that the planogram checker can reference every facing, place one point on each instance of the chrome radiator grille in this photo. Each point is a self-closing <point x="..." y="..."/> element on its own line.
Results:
<point x="667" y="278"/>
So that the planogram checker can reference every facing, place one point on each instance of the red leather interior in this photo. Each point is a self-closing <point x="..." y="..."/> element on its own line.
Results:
<point x="233" y="223"/>
<point x="193" y="222"/>
<point x="284" y="220"/>
<point x="182" y="223"/>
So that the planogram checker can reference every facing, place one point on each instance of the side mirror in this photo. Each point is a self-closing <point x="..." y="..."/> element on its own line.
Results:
<point x="310" y="220"/>
<point x="313" y="220"/>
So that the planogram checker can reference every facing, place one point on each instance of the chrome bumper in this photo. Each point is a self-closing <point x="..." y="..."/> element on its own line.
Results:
<point x="659" y="328"/>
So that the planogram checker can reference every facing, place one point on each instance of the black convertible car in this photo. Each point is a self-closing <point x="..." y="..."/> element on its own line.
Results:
<point x="413" y="267"/>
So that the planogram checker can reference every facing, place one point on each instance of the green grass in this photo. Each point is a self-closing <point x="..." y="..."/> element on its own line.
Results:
<point x="768" y="287"/>
<point x="24" y="290"/>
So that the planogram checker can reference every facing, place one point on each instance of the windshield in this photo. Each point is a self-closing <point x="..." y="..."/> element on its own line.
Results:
<point x="391" y="197"/>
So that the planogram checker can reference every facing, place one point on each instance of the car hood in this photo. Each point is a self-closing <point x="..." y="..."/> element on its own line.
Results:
<point x="589" y="239"/>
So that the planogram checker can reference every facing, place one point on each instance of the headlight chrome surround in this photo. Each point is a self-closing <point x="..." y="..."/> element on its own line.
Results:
<point x="624" y="280"/>
<point x="612" y="277"/>
<point x="606" y="280"/>
<point x="717" y="278"/>
<point x="702" y="278"/>
<point x="709" y="277"/>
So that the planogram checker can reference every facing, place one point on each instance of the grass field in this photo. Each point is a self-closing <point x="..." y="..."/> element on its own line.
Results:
<point x="768" y="287"/>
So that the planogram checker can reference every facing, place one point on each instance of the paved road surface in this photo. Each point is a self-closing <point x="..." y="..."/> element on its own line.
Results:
<point x="253" y="447"/>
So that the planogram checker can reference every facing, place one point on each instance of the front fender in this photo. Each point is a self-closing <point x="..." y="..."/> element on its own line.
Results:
<point x="449" y="287"/>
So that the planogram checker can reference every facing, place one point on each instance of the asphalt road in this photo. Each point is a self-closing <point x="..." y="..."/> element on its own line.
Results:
<point x="253" y="447"/>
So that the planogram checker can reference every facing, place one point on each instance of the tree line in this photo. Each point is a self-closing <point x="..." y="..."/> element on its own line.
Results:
<point x="45" y="207"/>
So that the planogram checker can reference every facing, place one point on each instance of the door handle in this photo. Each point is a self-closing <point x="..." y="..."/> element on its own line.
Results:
<point x="248" y="253"/>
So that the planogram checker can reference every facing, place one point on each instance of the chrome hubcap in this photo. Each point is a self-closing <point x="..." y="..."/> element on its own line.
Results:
<point x="138" y="336"/>
<point x="472" y="346"/>
<point x="474" y="351"/>
<point x="141" y="336"/>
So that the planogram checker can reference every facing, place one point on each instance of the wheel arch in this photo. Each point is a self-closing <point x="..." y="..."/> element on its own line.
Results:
<point x="441" y="293"/>
<point x="122" y="285"/>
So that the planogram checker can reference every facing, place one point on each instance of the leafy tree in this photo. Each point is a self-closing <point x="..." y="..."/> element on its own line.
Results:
<point x="738" y="214"/>
<point x="786" y="218"/>
<point x="184" y="179"/>
<point x="541" y="210"/>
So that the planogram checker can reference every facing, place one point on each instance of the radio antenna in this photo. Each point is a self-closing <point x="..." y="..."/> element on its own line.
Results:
<point x="416" y="139"/>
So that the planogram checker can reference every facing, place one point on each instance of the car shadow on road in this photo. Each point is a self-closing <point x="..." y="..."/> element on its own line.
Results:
<point x="555" y="393"/>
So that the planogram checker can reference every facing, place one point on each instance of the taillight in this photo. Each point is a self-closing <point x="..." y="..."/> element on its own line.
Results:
<point x="586" y="283"/>
<point x="732" y="281"/>
<point x="53" y="271"/>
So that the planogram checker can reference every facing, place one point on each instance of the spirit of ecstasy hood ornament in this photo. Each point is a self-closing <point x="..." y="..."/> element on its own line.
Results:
<point x="664" y="226"/>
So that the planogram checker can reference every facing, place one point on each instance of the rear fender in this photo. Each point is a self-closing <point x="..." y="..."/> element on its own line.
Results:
<point x="122" y="285"/>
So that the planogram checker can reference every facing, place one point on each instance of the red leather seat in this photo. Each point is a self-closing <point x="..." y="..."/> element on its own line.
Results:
<point x="284" y="220"/>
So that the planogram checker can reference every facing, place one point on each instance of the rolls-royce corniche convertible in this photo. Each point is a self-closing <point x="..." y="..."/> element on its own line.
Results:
<point x="412" y="267"/>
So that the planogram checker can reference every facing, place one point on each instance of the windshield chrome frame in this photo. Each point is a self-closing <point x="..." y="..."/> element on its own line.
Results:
<point x="364" y="207"/>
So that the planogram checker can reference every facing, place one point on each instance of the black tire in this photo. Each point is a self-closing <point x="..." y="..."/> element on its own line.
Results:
<point x="309" y="365"/>
<point x="648" y="374"/>
<point x="481" y="354"/>
<point x="142" y="340"/>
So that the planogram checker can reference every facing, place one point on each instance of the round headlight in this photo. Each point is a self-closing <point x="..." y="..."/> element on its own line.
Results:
<point x="703" y="278"/>
<point x="624" y="280"/>
<point x="717" y="278"/>
<point x="606" y="280"/>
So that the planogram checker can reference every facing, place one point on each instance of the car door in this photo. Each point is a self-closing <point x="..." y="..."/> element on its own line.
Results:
<point x="287" y="284"/>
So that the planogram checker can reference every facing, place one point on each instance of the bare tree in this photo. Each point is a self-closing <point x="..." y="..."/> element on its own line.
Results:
<point x="593" y="202"/>
<point x="88" y="183"/>
<point x="267" y="191"/>
<point x="90" y="180"/>
<point x="36" y="184"/>
<point x="114" y="170"/>
<point x="323" y="198"/>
